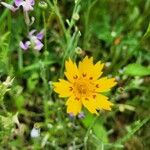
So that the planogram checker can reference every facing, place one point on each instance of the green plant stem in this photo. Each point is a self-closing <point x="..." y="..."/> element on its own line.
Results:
<point x="4" y="14"/>
<point x="60" y="18"/>
<point x="20" y="59"/>
<point x="57" y="12"/>
<point x="45" y="31"/>
<point x="72" y="43"/>
<point x="86" y="24"/>
<point x="129" y="135"/>
<point x="75" y="11"/>
<point x="46" y="92"/>
<point x="36" y="66"/>
<point x="44" y="76"/>
<point x="88" y="131"/>
<point x="3" y="107"/>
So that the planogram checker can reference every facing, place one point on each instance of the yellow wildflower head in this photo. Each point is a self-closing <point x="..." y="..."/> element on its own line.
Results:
<point x="83" y="86"/>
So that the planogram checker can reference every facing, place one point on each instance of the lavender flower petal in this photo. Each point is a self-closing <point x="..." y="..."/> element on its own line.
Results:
<point x="40" y="35"/>
<point x="18" y="3"/>
<point x="25" y="45"/>
<point x="32" y="2"/>
<point x="31" y="33"/>
<point x="27" y="6"/>
<point x="12" y="8"/>
<point x="38" y="45"/>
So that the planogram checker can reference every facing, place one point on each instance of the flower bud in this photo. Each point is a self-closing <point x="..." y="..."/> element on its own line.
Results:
<point x="81" y="115"/>
<point x="76" y="16"/>
<point x="35" y="132"/>
<point x="78" y="50"/>
<point x="43" y="5"/>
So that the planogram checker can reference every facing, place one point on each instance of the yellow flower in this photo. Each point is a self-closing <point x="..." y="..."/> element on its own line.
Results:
<point x="84" y="86"/>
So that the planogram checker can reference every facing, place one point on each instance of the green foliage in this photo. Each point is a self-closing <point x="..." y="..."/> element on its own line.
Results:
<point x="115" y="32"/>
<point x="4" y="86"/>
<point x="146" y="38"/>
<point x="137" y="70"/>
<point x="98" y="128"/>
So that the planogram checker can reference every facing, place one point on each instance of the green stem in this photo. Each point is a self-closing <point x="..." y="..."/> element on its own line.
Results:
<point x="37" y="66"/>
<point x="55" y="8"/>
<point x="86" y="25"/>
<point x="67" y="52"/>
<point x="46" y="92"/>
<point x="4" y="14"/>
<point x="3" y="107"/>
<point x="20" y="59"/>
<point x="129" y="135"/>
<point x="20" y="53"/>
<point x="88" y="131"/>
<point x="45" y="31"/>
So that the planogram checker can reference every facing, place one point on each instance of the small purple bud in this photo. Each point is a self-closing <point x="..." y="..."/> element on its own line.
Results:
<point x="71" y="116"/>
<point x="81" y="115"/>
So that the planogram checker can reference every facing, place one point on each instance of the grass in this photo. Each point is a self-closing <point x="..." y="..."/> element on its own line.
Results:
<point x="115" y="32"/>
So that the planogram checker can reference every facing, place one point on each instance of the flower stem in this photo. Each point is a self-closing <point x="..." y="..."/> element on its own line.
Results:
<point x="88" y="132"/>
<point x="86" y="24"/>
<point x="56" y="9"/>
<point x="20" y="59"/>
<point x="45" y="31"/>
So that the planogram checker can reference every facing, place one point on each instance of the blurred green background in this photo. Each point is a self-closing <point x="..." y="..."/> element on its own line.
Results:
<point x="116" y="32"/>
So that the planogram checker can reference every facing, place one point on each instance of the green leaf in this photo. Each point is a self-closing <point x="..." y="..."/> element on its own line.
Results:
<point x="100" y="131"/>
<point x="20" y="101"/>
<point x="4" y="37"/>
<point x="146" y="38"/>
<point x="32" y="81"/>
<point x="87" y="121"/>
<point x="137" y="70"/>
<point x="98" y="128"/>
<point x="147" y="31"/>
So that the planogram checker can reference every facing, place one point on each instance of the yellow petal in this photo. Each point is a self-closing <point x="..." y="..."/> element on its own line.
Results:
<point x="104" y="84"/>
<point x="98" y="69"/>
<point x="63" y="88"/>
<point x="87" y="67"/>
<point x="73" y="106"/>
<point x="90" y="105"/>
<point x="97" y="103"/>
<point x="102" y="102"/>
<point x="71" y="70"/>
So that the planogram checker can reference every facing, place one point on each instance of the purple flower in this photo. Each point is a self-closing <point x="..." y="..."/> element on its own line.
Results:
<point x="34" y="41"/>
<point x="26" y="4"/>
